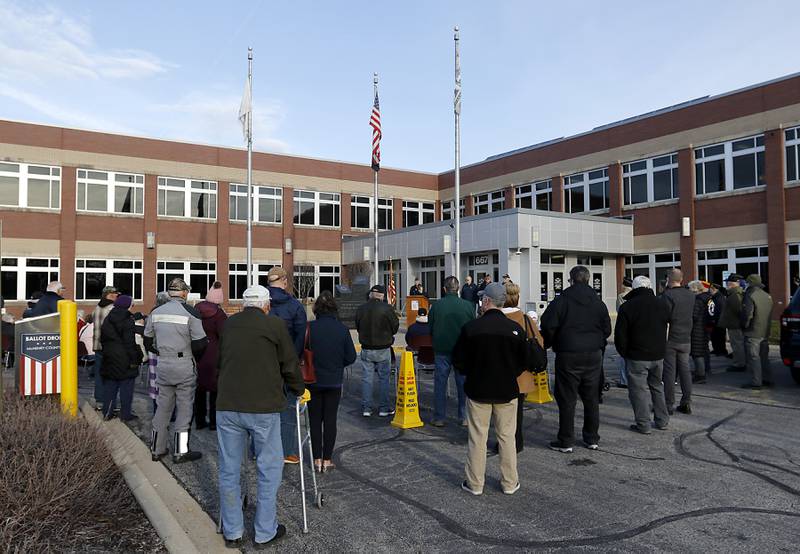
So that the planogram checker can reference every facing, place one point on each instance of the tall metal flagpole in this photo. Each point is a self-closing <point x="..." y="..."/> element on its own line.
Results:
<point x="457" y="192"/>
<point x="375" y="205"/>
<point x="250" y="170"/>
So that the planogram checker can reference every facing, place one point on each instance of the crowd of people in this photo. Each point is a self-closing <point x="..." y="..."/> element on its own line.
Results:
<point x="240" y="375"/>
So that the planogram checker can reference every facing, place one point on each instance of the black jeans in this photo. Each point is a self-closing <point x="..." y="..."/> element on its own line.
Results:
<point x="125" y="389"/>
<point x="200" y="409"/>
<point x="578" y="374"/>
<point x="322" y="410"/>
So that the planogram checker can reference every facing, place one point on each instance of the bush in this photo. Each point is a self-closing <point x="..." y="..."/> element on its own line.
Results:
<point x="59" y="487"/>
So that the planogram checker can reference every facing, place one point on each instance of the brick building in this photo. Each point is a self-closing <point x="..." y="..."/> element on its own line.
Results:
<point x="712" y="185"/>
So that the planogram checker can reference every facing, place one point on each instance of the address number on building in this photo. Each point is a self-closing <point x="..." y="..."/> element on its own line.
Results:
<point x="481" y="260"/>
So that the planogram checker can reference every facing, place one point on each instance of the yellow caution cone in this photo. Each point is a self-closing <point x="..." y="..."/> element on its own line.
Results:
<point x="407" y="413"/>
<point x="541" y="393"/>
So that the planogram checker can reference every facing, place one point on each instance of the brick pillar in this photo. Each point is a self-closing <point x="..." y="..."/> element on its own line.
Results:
<point x="68" y="232"/>
<point x="150" y="255"/>
<point x="558" y="193"/>
<point x="438" y="215"/>
<point x="509" y="198"/>
<point x="397" y="213"/>
<point x="224" y="234"/>
<point x="620" y="264"/>
<point x="287" y="260"/>
<point x="347" y="219"/>
<point x="615" y="189"/>
<point x="774" y="162"/>
<point x="469" y="206"/>
<point x="686" y="177"/>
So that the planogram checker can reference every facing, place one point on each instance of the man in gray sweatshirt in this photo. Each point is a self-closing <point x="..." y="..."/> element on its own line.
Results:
<point x="680" y="303"/>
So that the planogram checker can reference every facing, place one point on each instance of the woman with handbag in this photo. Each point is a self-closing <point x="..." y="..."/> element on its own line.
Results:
<point x="328" y="349"/>
<point x="525" y="381"/>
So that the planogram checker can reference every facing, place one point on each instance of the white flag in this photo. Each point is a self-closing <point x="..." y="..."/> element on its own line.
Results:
<point x="246" y="111"/>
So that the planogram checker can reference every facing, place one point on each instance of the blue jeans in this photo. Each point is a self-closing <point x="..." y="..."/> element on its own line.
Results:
<point x="98" y="380"/>
<point x="623" y="371"/>
<point x="444" y="364"/>
<point x="232" y="432"/>
<point x="289" y="427"/>
<point x="125" y="389"/>
<point x="372" y="361"/>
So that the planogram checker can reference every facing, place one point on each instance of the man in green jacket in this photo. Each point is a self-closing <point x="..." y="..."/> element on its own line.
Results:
<point x="446" y="318"/>
<point x="756" y="317"/>
<point x="731" y="319"/>
<point x="257" y="358"/>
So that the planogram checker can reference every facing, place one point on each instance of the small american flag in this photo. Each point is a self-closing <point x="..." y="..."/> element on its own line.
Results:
<point x="392" y="292"/>
<point x="375" y="123"/>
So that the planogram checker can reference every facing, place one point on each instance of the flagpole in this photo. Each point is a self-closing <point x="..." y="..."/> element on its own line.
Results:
<point x="250" y="170"/>
<point x="375" y="205"/>
<point x="457" y="192"/>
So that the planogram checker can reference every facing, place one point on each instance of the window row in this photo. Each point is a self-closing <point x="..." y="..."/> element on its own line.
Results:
<point x="731" y="165"/>
<point x="362" y="213"/>
<point x="650" y="180"/>
<point x="30" y="186"/>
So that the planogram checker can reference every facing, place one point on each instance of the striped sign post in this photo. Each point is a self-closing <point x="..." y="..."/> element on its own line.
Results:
<point x="40" y="364"/>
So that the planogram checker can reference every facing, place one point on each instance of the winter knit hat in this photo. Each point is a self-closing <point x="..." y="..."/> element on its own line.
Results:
<point x="215" y="294"/>
<point x="123" y="301"/>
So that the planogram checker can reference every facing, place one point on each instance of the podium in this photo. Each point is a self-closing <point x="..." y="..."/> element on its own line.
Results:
<point x="413" y="304"/>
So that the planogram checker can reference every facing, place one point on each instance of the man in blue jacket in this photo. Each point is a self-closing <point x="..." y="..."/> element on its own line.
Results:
<point x="48" y="303"/>
<point x="292" y="312"/>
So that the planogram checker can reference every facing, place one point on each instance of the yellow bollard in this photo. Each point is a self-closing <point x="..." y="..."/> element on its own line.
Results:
<point x="68" y="310"/>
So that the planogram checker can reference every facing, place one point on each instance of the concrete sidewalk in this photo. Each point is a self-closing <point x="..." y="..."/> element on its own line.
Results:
<point x="726" y="478"/>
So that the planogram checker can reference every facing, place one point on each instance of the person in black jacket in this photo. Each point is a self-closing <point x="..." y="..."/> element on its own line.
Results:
<point x="491" y="353"/>
<point x="576" y="325"/>
<point x="48" y="303"/>
<point x="333" y="349"/>
<point x="377" y="324"/>
<point x="715" y="308"/>
<point x="699" y="338"/>
<point x="640" y="336"/>
<point x="469" y="291"/>
<point x="121" y="358"/>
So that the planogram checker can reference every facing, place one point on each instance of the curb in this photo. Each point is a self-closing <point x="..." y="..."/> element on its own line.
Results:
<point x="126" y="450"/>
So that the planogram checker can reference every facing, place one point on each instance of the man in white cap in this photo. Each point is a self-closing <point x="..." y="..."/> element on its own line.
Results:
<point x="257" y="359"/>
<point x="175" y="334"/>
<point x="640" y="337"/>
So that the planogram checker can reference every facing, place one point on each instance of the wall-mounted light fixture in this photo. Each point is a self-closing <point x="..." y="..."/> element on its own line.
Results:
<point x="366" y="254"/>
<point x="686" y="227"/>
<point x="446" y="244"/>
<point x="150" y="240"/>
<point x="287" y="245"/>
<point x="535" y="237"/>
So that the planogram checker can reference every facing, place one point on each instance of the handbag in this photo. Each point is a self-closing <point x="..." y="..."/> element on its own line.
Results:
<point x="536" y="357"/>
<point x="307" y="361"/>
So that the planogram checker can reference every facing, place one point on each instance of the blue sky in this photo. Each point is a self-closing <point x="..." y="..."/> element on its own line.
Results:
<point x="532" y="71"/>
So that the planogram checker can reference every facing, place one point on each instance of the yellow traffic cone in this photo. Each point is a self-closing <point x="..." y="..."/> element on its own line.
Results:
<point x="407" y="413"/>
<point x="541" y="394"/>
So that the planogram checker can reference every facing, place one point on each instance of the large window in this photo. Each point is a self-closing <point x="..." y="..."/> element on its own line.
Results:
<point x="267" y="203"/>
<point x="792" y="154"/>
<point x="654" y="266"/>
<point x="237" y="278"/>
<point x="650" y="180"/>
<point x="362" y="215"/>
<point x="715" y="265"/>
<point x="537" y="195"/>
<point x="794" y="268"/>
<point x="489" y="202"/>
<point x="731" y="165"/>
<point x="588" y="191"/>
<point x="92" y="275"/>
<point x="449" y="213"/>
<point x="187" y="198"/>
<point x="432" y="276"/>
<point x="30" y="186"/>
<point x="109" y="191"/>
<point x="199" y="275"/>
<point x="417" y="213"/>
<point x="310" y="280"/>
<point x="21" y="277"/>
<point x="316" y="208"/>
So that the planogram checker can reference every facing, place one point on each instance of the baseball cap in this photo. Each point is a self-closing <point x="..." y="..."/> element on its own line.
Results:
<point x="495" y="291"/>
<point x="256" y="293"/>
<point x="380" y="289"/>
<point x="276" y="273"/>
<point x="177" y="285"/>
<point x="109" y="290"/>
<point x="734" y="278"/>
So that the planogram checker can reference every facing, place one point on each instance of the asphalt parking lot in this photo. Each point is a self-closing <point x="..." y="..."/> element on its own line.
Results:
<point x="724" y="479"/>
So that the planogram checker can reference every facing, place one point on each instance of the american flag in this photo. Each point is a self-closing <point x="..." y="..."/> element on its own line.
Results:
<point x="392" y="292"/>
<point x="375" y="123"/>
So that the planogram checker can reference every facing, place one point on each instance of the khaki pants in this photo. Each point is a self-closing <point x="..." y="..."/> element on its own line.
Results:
<point x="479" y="416"/>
